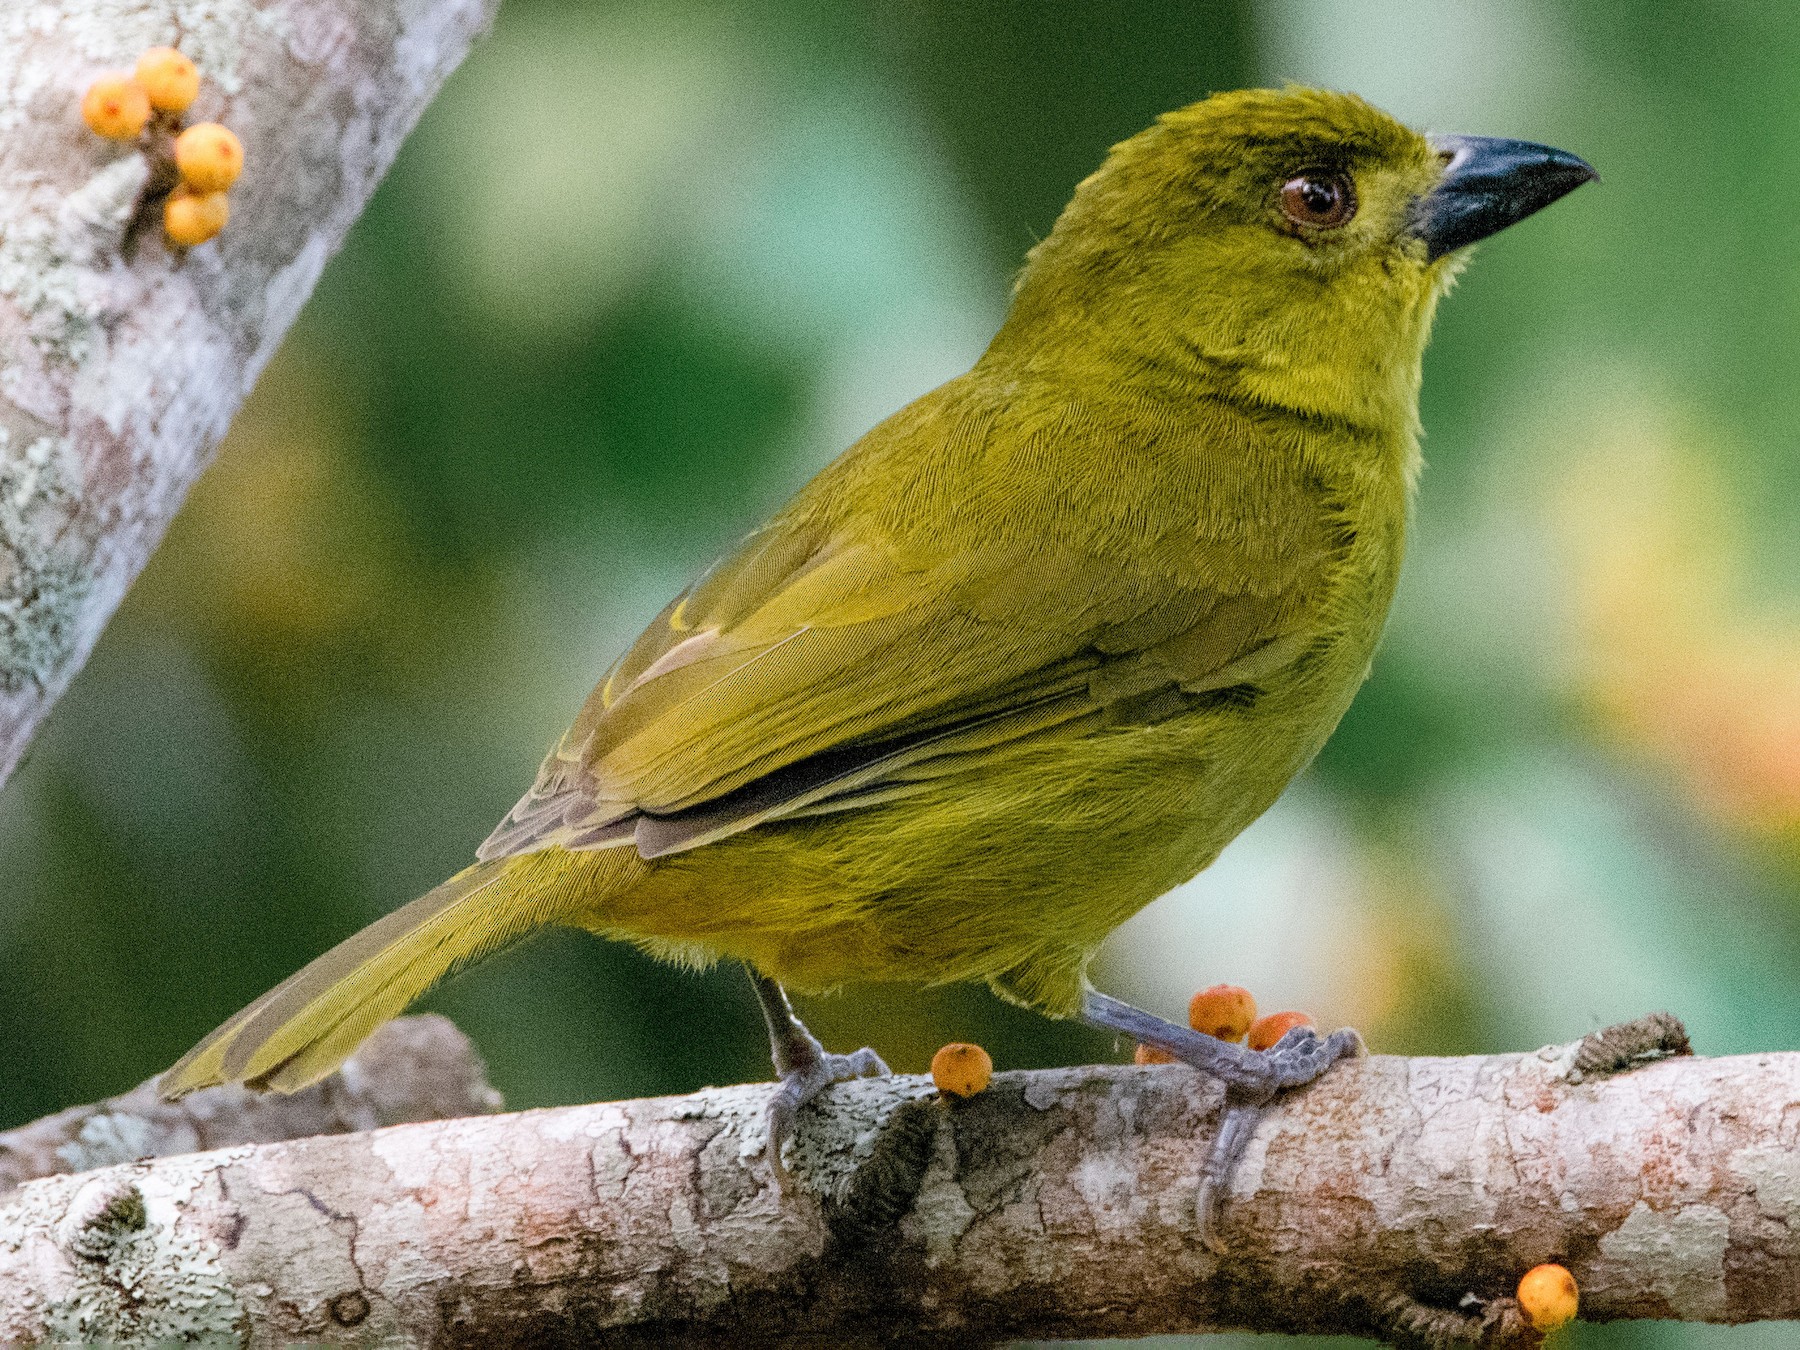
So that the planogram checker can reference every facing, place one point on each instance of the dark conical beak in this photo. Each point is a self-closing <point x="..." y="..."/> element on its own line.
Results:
<point x="1489" y="184"/>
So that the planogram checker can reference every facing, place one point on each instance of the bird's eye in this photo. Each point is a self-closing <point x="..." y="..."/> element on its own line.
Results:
<point x="1321" y="199"/>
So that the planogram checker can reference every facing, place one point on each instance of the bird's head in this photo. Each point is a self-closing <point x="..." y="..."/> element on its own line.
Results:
<point x="1287" y="246"/>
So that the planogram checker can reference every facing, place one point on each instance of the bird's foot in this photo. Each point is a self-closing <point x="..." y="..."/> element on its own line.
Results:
<point x="1252" y="1078"/>
<point x="804" y="1067"/>
<point x="799" y="1084"/>
<point x="1297" y="1059"/>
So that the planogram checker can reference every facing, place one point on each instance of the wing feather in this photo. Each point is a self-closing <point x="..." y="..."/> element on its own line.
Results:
<point x="833" y="662"/>
<point x="875" y="680"/>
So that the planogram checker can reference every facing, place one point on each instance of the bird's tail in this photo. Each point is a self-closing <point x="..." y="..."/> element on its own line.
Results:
<point x="309" y="1023"/>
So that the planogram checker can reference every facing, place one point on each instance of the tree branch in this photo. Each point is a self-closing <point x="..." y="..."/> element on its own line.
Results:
<point x="118" y="375"/>
<point x="413" y="1068"/>
<point x="1397" y="1197"/>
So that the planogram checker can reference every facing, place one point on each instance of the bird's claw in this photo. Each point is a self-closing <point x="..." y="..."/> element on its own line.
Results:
<point x="1302" y="1055"/>
<point x="1252" y="1080"/>
<point x="1297" y="1059"/>
<point x="798" y="1086"/>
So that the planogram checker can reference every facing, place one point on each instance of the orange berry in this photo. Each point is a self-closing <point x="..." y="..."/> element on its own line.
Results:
<point x="116" y="107"/>
<point x="1266" y="1031"/>
<point x="1149" y="1054"/>
<point x="961" y="1070"/>
<point x="208" y="157"/>
<point x="1548" y="1296"/>
<point x="194" y="217"/>
<point x="1225" y="1011"/>
<point x="169" y="78"/>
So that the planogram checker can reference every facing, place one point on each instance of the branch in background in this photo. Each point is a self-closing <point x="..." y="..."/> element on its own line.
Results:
<point x="411" y="1069"/>
<point x="118" y="378"/>
<point x="1397" y="1197"/>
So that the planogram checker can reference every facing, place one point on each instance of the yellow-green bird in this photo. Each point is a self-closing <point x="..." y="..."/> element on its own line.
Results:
<point x="1034" y="649"/>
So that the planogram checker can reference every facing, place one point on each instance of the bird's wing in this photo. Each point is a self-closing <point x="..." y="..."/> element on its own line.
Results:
<point x="813" y="672"/>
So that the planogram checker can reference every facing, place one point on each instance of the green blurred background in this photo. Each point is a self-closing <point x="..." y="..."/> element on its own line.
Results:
<point x="647" y="265"/>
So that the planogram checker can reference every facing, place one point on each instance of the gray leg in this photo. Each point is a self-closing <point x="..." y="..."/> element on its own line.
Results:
<point x="1252" y="1079"/>
<point x="804" y="1067"/>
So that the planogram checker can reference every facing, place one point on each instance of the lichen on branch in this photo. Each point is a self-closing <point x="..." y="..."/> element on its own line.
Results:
<point x="122" y="357"/>
<point x="413" y="1068"/>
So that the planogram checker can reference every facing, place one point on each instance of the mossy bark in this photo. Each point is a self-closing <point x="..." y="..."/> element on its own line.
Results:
<point x="122" y="358"/>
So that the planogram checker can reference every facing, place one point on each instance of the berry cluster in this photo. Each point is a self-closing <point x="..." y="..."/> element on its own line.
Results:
<point x="200" y="161"/>
<point x="1228" y="1012"/>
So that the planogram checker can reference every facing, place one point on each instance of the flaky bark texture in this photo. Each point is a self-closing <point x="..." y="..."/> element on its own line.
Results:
<point x="119" y="374"/>
<point x="1397" y="1197"/>
<point x="413" y="1068"/>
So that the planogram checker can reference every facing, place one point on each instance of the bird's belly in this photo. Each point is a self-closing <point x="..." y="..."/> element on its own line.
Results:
<point x="1015" y="870"/>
